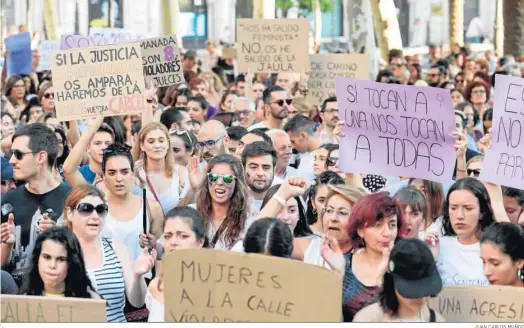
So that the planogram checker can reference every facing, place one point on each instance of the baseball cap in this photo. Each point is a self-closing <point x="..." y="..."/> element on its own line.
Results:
<point x="7" y="169"/>
<point x="414" y="270"/>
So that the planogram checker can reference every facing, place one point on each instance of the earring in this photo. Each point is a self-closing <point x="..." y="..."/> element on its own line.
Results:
<point x="520" y="274"/>
<point x="314" y="211"/>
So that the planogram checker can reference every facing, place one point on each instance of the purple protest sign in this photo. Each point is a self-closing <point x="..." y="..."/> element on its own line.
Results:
<point x="396" y="130"/>
<point x="73" y="41"/>
<point x="504" y="162"/>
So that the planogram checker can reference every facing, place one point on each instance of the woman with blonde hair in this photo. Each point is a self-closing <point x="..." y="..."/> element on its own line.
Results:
<point x="303" y="107"/>
<point x="46" y="97"/>
<point x="474" y="165"/>
<point x="164" y="180"/>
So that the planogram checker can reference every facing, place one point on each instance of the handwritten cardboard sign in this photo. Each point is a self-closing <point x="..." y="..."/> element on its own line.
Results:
<point x="19" y="60"/>
<point x="396" y="130"/>
<point x="161" y="61"/>
<point x="45" y="48"/>
<point x="107" y="80"/>
<point x="273" y="45"/>
<point x="480" y="304"/>
<point x="205" y="285"/>
<point x="504" y="162"/>
<point x="16" y="308"/>
<point x="324" y="68"/>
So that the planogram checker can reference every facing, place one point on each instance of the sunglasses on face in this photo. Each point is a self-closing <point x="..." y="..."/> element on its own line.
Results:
<point x="226" y="178"/>
<point x="332" y="161"/>
<point x="6" y="182"/>
<point x="476" y="172"/>
<point x="86" y="209"/>
<point x="48" y="95"/>
<point x="18" y="154"/>
<point x="209" y="144"/>
<point x="282" y="101"/>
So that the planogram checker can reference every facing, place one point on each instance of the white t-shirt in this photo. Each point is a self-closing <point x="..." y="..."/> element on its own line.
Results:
<point x="460" y="265"/>
<point x="305" y="169"/>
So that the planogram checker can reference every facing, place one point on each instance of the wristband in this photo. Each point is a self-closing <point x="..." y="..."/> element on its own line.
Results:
<point x="280" y="200"/>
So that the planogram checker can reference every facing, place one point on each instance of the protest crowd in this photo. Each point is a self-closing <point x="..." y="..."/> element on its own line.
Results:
<point x="97" y="192"/>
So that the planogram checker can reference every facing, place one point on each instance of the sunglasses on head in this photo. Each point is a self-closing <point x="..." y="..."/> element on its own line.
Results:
<point x="48" y="95"/>
<point x="282" y="101"/>
<point x="226" y="178"/>
<point x="18" y="154"/>
<point x="86" y="209"/>
<point x="476" y="172"/>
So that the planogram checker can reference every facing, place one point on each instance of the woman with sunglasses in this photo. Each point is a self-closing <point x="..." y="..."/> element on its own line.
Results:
<point x="112" y="271"/>
<point x="478" y="94"/>
<point x="474" y="166"/>
<point x="316" y="200"/>
<point x="183" y="145"/>
<point x="165" y="181"/>
<point x="15" y="91"/>
<point x="502" y="253"/>
<point x="46" y="97"/>
<point x="184" y="228"/>
<point x="57" y="267"/>
<point x="223" y="201"/>
<point x="321" y="155"/>
<point x="332" y="160"/>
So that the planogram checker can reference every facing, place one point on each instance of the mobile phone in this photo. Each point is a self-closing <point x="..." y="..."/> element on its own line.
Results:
<point x="6" y="210"/>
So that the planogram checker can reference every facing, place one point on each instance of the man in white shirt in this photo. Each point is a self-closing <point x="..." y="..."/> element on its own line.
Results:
<point x="301" y="131"/>
<point x="284" y="149"/>
<point x="276" y="108"/>
<point x="259" y="159"/>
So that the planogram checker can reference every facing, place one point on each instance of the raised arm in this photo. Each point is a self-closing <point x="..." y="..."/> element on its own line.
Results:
<point x="292" y="187"/>
<point x="74" y="160"/>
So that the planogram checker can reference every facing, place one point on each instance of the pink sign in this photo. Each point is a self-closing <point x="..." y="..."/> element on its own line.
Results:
<point x="504" y="162"/>
<point x="71" y="41"/>
<point x="396" y="130"/>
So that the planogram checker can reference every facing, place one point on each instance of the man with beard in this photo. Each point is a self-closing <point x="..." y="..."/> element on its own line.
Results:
<point x="284" y="149"/>
<point x="436" y="75"/>
<point x="276" y="108"/>
<point x="329" y="116"/>
<point x="212" y="140"/>
<point x="259" y="159"/>
<point x="244" y="109"/>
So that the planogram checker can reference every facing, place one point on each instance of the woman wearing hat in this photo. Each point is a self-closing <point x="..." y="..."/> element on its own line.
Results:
<point x="411" y="278"/>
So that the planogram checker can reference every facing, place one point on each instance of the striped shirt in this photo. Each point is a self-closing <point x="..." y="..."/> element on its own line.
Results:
<point x="108" y="281"/>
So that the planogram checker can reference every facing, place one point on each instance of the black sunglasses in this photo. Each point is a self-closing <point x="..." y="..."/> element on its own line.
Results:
<point x="332" y="161"/>
<point x="48" y="95"/>
<point x="86" y="209"/>
<point x="282" y="101"/>
<point x="475" y="172"/>
<point x="19" y="154"/>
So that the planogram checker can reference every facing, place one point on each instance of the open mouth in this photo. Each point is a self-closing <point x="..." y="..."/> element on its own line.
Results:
<point x="333" y="229"/>
<point x="220" y="192"/>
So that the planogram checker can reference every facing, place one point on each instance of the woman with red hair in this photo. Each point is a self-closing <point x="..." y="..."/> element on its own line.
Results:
<point x="375" y="225"/>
